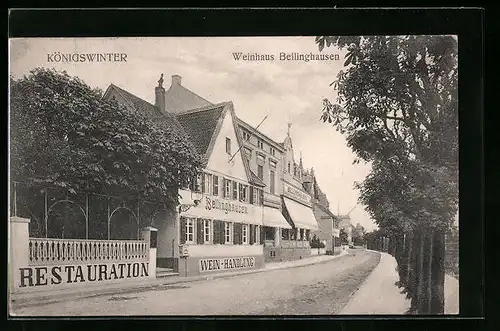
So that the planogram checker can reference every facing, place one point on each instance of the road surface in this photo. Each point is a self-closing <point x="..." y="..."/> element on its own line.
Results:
<point x="309" y="290"/>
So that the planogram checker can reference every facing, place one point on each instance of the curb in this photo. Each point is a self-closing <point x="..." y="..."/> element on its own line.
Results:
<point x="44" y="299"/>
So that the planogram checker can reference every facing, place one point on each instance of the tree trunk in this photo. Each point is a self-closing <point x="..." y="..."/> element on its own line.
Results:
<point x="430" y="268"/>
<point x="437" y="297"/>
<point x="414" y="269"/>
<point x="424" y="274"/>
<point x="409" y="258"/>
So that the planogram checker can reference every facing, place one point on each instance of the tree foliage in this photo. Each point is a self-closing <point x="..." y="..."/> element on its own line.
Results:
<point x="64" y="134"/>
<point x="397" y="105"/>
<point x="358" y="234"/>
<point x="344" y="237"/>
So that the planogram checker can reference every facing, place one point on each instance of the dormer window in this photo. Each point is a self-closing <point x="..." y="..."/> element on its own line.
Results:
<point x="246" y="136"/>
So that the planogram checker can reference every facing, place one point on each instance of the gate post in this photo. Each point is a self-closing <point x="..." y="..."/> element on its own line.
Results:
<point x="18" y="249"/>
<point x="150" y="235"/>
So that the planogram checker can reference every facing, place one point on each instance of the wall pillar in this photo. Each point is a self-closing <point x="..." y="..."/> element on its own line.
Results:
<point x="150" y="235"/>
<point x="19" y="249"/>
<point x="277" y="237"/>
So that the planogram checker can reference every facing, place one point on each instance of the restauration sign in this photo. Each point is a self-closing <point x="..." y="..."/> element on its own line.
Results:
<point x="66" y="274"/>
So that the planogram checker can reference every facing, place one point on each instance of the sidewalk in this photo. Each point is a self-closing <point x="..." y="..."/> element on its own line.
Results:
<point x="379" y="295"/>
<point x="52" y="296"/>
<point x="451" y="297"/>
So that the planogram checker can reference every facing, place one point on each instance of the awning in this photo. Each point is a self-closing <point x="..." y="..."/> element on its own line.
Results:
<point x="274" y="218"/>
<point x="302" y="216"/>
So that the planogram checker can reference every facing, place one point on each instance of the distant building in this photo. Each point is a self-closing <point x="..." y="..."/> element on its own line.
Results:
<point x="346" y="225"/>
<point x="327" y="222"/>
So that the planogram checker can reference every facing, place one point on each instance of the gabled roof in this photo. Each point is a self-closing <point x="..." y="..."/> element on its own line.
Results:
<point x="202" y="125"/>
<point x="256" y="180"/>
<point x="179" y="99"/>
<point x="151" y="111"/>
<point x="259" y="133"/>
<point x="327" y="211"/>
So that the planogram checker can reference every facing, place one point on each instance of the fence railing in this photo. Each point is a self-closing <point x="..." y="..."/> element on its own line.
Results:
<point x="294" y="243"/>
<point x="48" y="251"/>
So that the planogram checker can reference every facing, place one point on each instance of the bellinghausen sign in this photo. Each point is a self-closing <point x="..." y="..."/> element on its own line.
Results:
<point x="212" y="207"/>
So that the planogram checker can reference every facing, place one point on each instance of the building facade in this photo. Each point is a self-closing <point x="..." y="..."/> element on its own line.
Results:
<point x="249" y="205"/>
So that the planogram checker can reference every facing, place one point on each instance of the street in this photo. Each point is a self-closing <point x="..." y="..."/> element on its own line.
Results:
<point x="320" y="289"/>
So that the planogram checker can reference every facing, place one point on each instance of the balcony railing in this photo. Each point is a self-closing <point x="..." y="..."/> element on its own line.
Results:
<point x="43" y="251"/>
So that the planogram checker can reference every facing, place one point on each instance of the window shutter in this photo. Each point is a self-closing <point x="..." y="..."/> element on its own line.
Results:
<point x="262" y="235"/>
<point x="183" y="230"/>
<point x="220" y="232"/>
<point x="252" y="239"/>
<point x="251" y="194"/>
<point x="216" y="231"/>
<point x="203" y="183"/>
<point x="237" y="233"/>
<point x="199" y="231"/>
<point x="261" y="192"/>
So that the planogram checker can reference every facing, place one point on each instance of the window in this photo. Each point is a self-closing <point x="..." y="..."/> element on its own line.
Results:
<point x="228" y="146"/>
<point x="227" y="188"/>
<point x="197" y="183"/>
<point x="190" y="230"/>
<point x="248" y="153"/>
<point x="235" y="191"/>
<point x="288" y="167"/>
<point x="295" y="170"/>
<point x="260" y="144"/>
<point x="207" y="225"/>
<point x="228" y="232"/>
<point x="243" y="193"/>
<point x="244" y="234"/>
<point x="207" y="184"/>
<point x="246" y="136"/>
<point x="272" y="181"/>
<point x="215" y="185"/>
<point x="260" y="171"/>
<point x="255" y="193"/>
<point x="261" y="159"/>
<point x="273" y="151"/>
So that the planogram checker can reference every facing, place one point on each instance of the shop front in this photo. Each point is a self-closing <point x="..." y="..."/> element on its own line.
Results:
<point x="221" y="233"/>
<point x="275" y="225"/>
<point x="297" y="210"/>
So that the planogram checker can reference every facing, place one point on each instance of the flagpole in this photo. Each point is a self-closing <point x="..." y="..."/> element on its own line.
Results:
<point x="232" y="157"/>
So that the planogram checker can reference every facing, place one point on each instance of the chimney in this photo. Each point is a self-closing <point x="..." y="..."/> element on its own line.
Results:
<point x="176" y="80"/>
<point x="160" y="95"/>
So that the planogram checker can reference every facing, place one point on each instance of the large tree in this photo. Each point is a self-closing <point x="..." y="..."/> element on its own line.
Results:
<point x="398" y="107"/>
<point x="64" y="134"/>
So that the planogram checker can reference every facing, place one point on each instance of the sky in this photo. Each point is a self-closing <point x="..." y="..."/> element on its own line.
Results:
<point x="286" y="91"/>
